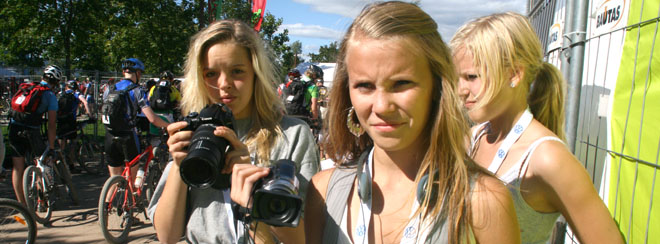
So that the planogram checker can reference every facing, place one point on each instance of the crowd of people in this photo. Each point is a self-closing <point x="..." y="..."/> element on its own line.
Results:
<point x="404" y="164"/>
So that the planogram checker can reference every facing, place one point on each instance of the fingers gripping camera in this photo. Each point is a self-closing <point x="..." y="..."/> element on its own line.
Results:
<point x="206" y="153"/>
<point x="276" y="201"/>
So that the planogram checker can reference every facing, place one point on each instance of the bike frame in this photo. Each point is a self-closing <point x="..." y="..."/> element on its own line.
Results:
<point x="127" y="175"/>
<point x="43" y="178"/>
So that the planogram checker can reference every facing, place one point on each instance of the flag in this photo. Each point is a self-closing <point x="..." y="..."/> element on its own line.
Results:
<point x="258" y="9"/>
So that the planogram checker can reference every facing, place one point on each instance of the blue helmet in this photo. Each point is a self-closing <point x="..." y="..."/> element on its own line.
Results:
<point x="132" y="63"/>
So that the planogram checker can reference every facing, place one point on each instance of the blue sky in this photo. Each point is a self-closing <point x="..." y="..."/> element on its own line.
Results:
<point x="319" y="22"/>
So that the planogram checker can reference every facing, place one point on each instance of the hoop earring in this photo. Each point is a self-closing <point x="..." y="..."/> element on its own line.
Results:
<point x="353" y="127"/>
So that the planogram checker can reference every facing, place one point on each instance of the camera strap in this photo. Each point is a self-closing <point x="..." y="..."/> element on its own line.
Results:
<point x="361" y="235"/>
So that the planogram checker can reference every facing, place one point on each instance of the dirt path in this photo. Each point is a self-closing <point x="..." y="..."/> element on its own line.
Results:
<point x="79" y="224"/>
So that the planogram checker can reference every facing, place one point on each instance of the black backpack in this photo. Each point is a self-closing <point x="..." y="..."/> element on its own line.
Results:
<point x="294" y="98"/>
<point x="160" y="98"/>
<point x="117" y="114"/>
<point x="66" y="104"/>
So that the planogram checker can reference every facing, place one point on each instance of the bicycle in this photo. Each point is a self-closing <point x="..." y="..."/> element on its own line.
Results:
<point x="85" y="149"/>
<point x="16" y="223"/>
<point x="42" y="192"/>
<point x="126" y="197"/>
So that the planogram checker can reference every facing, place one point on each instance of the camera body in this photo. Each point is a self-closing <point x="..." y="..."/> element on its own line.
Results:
<point x="275" y="197"/>
<point x="206" y="153"/>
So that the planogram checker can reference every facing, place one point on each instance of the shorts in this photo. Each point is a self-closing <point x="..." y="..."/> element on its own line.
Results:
<point x="66" y="129"/>
<point x="113" y="149"/>
<point x="24" y="139"/>
<point x="142" y="124"/>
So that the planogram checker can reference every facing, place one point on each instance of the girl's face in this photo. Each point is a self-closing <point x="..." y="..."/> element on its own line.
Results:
<point x="472" y="86"/>
<point x="390" y="89"/>
<point x="229" y="77"/>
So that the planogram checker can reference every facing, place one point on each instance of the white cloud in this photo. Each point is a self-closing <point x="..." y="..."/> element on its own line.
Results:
<point x="314" y="31"/>
<point x="449" y="14"/>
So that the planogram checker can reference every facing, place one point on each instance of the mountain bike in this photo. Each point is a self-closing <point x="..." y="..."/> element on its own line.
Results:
<point x="122" y="197"/>
<point x="87" y="152"/>
<point x="16" y="223"/>
<point x="41" y="184"/>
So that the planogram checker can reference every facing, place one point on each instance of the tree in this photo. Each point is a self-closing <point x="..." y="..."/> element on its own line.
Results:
<point x="327" y="54"/>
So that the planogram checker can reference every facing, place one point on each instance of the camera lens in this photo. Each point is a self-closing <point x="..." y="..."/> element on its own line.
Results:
<point x="205" y="158"/>
<point x="276" y="206"/>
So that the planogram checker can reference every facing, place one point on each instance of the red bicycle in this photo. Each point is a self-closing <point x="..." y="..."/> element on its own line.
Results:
<point x="123" y="196"/>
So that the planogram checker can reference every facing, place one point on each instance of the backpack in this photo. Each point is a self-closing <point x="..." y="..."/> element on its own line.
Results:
<point x="160" y="98"/>
<point x="25" y="102"/>
<point x="294" y="98"/>
<point x="115" y="109"/>
<point x="66" y="104"/>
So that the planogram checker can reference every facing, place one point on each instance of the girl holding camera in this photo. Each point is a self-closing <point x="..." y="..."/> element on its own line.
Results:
<point x="398" y="131"/>
<point x="227" y="63"/>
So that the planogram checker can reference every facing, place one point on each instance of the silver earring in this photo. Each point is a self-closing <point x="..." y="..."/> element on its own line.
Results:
<point x="513" y="85"/>
<point x="353" y="127"/>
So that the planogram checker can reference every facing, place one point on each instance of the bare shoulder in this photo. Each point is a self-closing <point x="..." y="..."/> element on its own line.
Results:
<point x="551" y="158"/>
<point x="487" y="188"/>
<point x="494" y="218"/>
<point x="321" y="179"/>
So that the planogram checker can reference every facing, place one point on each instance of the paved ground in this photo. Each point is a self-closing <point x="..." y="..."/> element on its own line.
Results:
<point x="79" y="224"/>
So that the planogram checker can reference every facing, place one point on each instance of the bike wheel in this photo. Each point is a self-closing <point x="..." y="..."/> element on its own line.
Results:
<point x="116" y="214"/>
<point x="65" y="177"/>
<point x="35" y="195"/>
<point x="87" y="157"/>
<point x="16" y="223"/>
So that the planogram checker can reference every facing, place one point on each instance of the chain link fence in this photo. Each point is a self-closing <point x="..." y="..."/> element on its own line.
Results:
<point x="616" y="134"/>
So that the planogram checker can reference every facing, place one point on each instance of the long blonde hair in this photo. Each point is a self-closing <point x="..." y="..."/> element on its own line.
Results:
<point x="444" y="149"/>
<point x="265" y="104"/>
<point x="504" y="43"/>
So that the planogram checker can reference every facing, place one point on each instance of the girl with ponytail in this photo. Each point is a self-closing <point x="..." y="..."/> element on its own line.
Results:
<point x="517" y="101"/>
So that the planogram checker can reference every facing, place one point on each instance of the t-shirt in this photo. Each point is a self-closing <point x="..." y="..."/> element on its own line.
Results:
<point x="208" y="218"/>
<point x="312" y="92"/>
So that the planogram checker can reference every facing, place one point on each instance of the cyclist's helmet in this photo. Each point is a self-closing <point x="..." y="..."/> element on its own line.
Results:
<point x="294" y="73"/>
<point x="71" y="83"/>
<point x="53" y="72"/>
<point x="166" y="75"/>
<point x="132" y="64"/>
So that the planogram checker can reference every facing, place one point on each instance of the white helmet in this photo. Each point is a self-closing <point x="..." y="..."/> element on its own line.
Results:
<point x="53" y="72"/>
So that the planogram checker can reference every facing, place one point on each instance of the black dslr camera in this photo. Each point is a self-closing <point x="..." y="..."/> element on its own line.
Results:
<point x="276" y="201"/>
<point x="206" y="153"/>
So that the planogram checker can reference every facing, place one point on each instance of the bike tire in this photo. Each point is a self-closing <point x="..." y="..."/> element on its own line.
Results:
<point x="87" y="157"/>
<point x="14" y="220"/>
<point x="115" y="219"/>
<point x="35" y="193"/>
<point x="65" y="177"/>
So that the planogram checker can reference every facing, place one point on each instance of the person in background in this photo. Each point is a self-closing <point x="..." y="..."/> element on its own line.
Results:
<point x="227" y="63"/>
<point x="164" y="98"/>
<point x="24" y="134"/>
<point x="517" y="100"/>
<point x="66" y="118"/>
<point x="396" y="130"/>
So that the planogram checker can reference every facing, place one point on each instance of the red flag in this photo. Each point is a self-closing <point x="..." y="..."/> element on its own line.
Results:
<point x="258" y="9"/>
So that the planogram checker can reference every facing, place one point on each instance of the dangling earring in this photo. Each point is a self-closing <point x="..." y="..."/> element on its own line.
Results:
<point x="353" y="127"/>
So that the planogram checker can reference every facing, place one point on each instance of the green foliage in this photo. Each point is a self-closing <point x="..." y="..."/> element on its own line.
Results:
<point x="327" y="54"/>
<point x="97" y="35"/>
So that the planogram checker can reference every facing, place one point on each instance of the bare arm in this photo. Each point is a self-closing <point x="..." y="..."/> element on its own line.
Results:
<point x="315" y="205"/>
<point x="84" y="102"/>
<point x="315" y="108"/>
<point x="153" y="118"/>
<point x="568" y="188"/>
<point x="52" y="125"/>
<point x="493" y="215"/>
<point x="169" y="217"/>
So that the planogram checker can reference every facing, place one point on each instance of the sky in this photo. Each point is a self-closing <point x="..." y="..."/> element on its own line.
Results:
<point x="320" y="22"/>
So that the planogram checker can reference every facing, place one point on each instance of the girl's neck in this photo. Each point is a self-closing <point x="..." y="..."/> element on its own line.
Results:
<point x="395" y="165"/>
<point x="501" y="125"/>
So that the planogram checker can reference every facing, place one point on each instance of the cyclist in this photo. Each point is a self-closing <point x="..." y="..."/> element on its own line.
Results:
<point x="132" y="69"/>
<point x="24" y="128"/>
<point x="163" y="99"/>
<point x="68" y="103"/>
